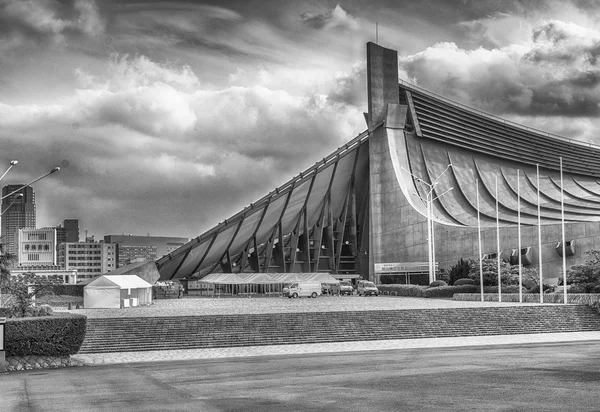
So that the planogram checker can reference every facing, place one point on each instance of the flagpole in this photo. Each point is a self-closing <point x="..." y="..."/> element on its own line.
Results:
<point x="539" y="236"/>
<point x="562" y="218"/>
<point x="429" y="238"/>
<point x="479" y="240"/>
<point x="519" y="235"/>
<point x="498" y="245"/>
<point x="433" y="244"/>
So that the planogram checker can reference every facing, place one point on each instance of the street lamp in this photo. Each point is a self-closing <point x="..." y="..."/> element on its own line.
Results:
<point x="17" y="196"/>
<point x="12" y="163"/>
<point x="54" y="170"/>
<point x="429" y="203"/>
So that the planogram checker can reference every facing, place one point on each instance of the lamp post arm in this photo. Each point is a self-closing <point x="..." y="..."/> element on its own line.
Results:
<point x="418" y="179"/>
<point x="56" y="169"/>
<point x="437" y="197"/>
<point x="442" y="174"/>
<point x="8" y="207"/>
<point x="12" y="163"/>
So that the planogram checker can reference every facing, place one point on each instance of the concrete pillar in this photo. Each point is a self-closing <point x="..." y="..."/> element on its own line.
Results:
<point x="382" y="89"/>
<point x="382" y="81"/>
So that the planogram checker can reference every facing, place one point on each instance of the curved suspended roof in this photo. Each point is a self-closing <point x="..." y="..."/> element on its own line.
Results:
<point x="481" y="147"/>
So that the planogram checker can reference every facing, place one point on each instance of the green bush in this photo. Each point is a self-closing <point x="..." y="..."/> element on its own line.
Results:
<point x="437" y="283"/>
<point x="449" y="291"/>
<point x="58" y="335"/>
<point x="509" y="274"/>
<point x="464" y="281"/>
<point x="70" y="290"/>
<point x="404" y="290"/>
<point x="460" y="270"/>
<point x="418" y="291"/>
<point x="505" y="289"/>
<point x="586" y="277"/>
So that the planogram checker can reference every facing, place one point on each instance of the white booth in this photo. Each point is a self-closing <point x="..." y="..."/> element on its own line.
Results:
<point x="116" y="291"/>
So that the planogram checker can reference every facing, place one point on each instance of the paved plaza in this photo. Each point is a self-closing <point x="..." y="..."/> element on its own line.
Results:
<point x="191" y="306"/>
<point x="223" y="306"/>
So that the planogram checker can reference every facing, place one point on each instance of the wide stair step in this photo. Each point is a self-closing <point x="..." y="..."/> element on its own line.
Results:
<point x="214" y="331"/>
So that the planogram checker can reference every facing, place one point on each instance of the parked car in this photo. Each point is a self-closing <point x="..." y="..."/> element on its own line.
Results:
<point x="367" y="288"/>
<point x="299" y="289"/>
<point x="346" y="288"/>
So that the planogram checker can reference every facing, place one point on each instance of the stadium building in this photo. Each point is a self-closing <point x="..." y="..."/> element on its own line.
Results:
<point x="427" y="171"/>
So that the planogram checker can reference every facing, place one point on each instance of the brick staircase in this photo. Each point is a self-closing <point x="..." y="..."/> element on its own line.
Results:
<point x="193" y="332"/>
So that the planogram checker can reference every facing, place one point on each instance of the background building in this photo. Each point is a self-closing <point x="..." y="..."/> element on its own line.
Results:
<point x="17" y="213"/>
<point x="36" y="247"/>
<point x="88" y="259"/>
<point x="132" y="248"/>
<point x="68" y="231"/>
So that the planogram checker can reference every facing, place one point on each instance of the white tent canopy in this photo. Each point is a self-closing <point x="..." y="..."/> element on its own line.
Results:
<point x="267" y="278"/>
<point x="116" y="291"/>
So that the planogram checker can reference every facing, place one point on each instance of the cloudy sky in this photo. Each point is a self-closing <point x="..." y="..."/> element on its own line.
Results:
<point x="167" y="117"/>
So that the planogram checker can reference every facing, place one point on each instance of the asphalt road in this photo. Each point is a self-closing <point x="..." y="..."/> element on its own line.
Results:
<point x="545" y="377"/>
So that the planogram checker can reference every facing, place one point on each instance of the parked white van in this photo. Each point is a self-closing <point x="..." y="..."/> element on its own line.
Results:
<point x="299" y="289"/>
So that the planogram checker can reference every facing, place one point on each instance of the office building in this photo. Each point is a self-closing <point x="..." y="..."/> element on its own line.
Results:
<point x="36" y="247"/>
<point x="18" y="212"/>
<point x="132" y="248"/>
<point x="68" y="231"/>
<point x="87" y="258"/>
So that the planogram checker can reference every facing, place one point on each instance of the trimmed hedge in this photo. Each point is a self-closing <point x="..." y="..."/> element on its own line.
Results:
<point x="70" y="290"/>
<point x="464" y="281"/>
<point x="58" y="335"/>
<point x="418" y="291"/>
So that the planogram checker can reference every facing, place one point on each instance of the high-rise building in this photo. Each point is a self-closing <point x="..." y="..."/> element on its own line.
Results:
<point x="89" y="259"/>
<point x="68" y="231"/>
<point x="36" y="247"/>
<point x="17" y="213"/>
<point x="132" y="248"/>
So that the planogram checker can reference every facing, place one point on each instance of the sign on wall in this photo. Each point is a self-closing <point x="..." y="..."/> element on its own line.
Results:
<point x="403" y="267"/>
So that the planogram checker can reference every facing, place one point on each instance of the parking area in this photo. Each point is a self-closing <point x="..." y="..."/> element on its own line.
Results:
<point x="192" y="306"/>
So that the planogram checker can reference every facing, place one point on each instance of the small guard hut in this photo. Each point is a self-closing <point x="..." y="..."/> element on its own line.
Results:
<point x="116" y="291"/>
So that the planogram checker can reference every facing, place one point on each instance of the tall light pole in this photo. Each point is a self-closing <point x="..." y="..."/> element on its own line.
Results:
<point x="429" y="199"/>
<point x="13" y="163"/>
<point x="17" y="196"/>
<point x="54" y="170"/>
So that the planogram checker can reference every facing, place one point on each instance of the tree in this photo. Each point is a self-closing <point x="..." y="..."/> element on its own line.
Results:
<point x="587" y="275"/>
<point x="460" y="270"/>
<point x="509" y="275"/>
<point x="6" y="260"/>
<point x="23" y="288"/>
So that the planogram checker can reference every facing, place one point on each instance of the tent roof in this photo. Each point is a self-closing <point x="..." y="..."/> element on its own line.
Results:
<point x="122" y="281"/>
<point x="267" y="278"/>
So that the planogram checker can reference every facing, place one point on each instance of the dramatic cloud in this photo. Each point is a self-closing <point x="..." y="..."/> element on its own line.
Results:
<point x="47" y="20"/>
<point x="349" y="87"/>
<point x="149" y="132"/>
<point x="167" y="117"/>
<point x="332" y="19"/>
<point x="555" y="73"/>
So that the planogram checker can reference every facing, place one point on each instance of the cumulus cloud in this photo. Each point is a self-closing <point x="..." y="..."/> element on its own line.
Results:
<point x="555" y="72"/>
<point x="153" y="138"/>
<point x="331" y="19"/>
<point x="48" y="20"/>
<point x="140" y="94"/>
<point x="348" y="88"/>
